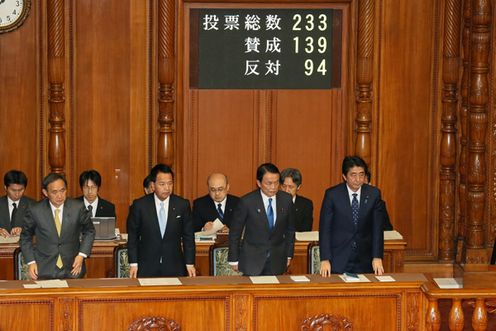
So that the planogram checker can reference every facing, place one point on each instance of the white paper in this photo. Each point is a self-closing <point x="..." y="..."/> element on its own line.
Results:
<point x="31" y="286"/>
<point x="52" y="283"/>
<point x="217" y="225"/>
<point x="264" y="280"/>
<point x="392" y="235"/>
<point x="300" y="279"/>
<point x="360" y="279"/>
<point x="9" y="240"/>
<point x="385" y="278"/>
<point x="124" y="236"/>
<point x="307" y="236"/>
<point x="159" y="281"/>
<point x="449" y="282"/>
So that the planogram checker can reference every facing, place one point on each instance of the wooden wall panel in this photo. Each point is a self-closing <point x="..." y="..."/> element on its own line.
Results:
<point x="20" y="101"/>
<point x="109" y="109"/>
<point x="408" y="127"/>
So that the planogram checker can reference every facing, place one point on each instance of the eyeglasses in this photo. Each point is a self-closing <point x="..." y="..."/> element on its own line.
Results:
<point x="217" y="190"/>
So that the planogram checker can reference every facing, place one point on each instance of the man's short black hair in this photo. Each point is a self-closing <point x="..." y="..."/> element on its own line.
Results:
<point x="292" y="173"/>
<point x="265" y="168"/>
<point x="92" y="175"/>
<point x="353" y="161"/>
<point x="160" y="167"/>
<point x="15" y="177"/>
<point x="51" y="177"/>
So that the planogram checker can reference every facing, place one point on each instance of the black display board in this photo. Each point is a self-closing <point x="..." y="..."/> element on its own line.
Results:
<point x="265" y="48"/>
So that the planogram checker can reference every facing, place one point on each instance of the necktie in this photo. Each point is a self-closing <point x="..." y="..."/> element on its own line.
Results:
<point x="162" y="219"/>
<point x="270" y="215"/>
<point x="355" y="208"/>
<point x="90" y="209"/>
<point x="14" y="211"/>
<point x="58" y="226"/>
<point x="219" y="210"/>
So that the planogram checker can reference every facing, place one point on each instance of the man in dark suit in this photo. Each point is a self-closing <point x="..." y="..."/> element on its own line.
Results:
<point x="217" y="204"/>
<point x="291" y="183"/>
<point x="90" y="182"/>
<point x="351" y="233"/>
<point x="13" y="205"/>
<point x="161" y="241"/>
<point x="382" y="207"/>
<point x="58" y="224"/>
<point x="266" y="216"/>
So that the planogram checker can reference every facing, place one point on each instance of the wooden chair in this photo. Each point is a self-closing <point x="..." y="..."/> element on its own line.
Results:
<point x="121" y="261"/>
<point x="20" y="267"/>
<point x="219" y="266"/>
<point x="313" y="258"/>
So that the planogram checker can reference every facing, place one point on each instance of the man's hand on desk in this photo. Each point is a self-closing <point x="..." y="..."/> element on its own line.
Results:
<point x="325" y="268"/>
<point x="208" y="226"/>
<point x="133" y="271"/>
<point x="377" y="266"/>
<point x="4" y="233"/>
<point x="191" y="270"/>
<point x="234" y="267"/>
<point x="33" y="271"/>
<point x="77" y="265"/>
<point x="16" y="231"/>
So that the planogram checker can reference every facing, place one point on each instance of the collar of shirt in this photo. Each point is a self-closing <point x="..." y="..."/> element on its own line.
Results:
<point x="223" y="204"/>
<point x="94" y="205"/>
<point x="350" y="194"/>
<point x="157" y="205"/>
<point x="294" y="199"/>
<point x="61" y="208"/>
<point x="266" y="204"/>
<point x="11" y="207"/>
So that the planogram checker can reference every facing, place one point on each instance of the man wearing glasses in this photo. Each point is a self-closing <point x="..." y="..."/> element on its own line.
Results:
<point x="217" y="204"/>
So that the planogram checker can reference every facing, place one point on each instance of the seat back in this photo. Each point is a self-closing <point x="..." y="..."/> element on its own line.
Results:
<point x="121" y="262"/>
<point x="314" y="258"/>
<point x="219" y="265"/>
<point x="20" y="267"/>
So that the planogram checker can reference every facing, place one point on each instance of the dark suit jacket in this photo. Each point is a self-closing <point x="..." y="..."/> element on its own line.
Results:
<point x="39" y="222"/>
<point x="304" y="213"/>
<point x="104" y="209"/>
<point x="259" y="241"/>
<point x="19" y="215"/>
<point x="387" y="222"/>
<point x="338" y="235"/>
<point x="205" y="210"/>
<point x="147" y="247"/>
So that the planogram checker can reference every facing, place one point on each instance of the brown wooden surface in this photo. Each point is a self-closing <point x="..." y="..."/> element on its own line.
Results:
<point x="215" y="303"/>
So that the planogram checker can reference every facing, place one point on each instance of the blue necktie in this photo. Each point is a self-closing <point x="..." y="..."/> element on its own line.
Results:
<point x="355" y="208"/>
<point x="219" y="210"/>
<point x="162" y="219"/>
<point x="270" y="215"/>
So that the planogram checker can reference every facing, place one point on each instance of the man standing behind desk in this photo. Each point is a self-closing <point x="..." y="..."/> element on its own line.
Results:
<point x="351" y="236"/>
<point x="266" y="216"/>
<point x="216" y="204"/>
<point x="160" y="228"/>
<point x="291" y="183"/>
<point x="58" y="223"/>
<point x="13" y="205"/>
<point x="90" y="182"/>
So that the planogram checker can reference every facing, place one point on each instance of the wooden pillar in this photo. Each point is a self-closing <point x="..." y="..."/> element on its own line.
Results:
<point x="166" y="64"/>
<point x="477" y="120"/>
<point x="456" y="318"/>
<point x="451" y="57"/>
<point x="433" y="318"/>
<point x="364" y="75"/>
<point x="464" y="91"/>
<point x="56" y="92"/>
<point x="479" y="318"/>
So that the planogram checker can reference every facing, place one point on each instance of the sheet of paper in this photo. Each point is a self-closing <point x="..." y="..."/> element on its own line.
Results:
<point x="307" y="236"/>
<point x="218" y="225"/>
<point x="300" y="279"/>
<point x="360" y="279"/>
<point x="392" y="235"/>
<point x="31" y="286"/>
<point x="159" y="281"/>
<point x="449" y="282"/>
<point x="385" y="278"/>
<point x="52" y="283"/>
<point x="264" y="280"/>
<point x="9" y="240"/>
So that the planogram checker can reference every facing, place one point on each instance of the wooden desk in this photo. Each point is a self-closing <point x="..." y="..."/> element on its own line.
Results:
<point x="216" y="303"/>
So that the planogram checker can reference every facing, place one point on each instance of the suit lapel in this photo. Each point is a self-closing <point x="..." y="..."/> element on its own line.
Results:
<point x="49" y="219"/>
<point x="171" y="215"/>
<point x="364" y="200"/>
<point x="263" y="213"/>
<point x="66" y="218"/>
<point x="4" y="209"/>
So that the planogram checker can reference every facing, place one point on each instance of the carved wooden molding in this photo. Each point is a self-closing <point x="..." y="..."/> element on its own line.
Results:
<point x="448" y="148"/>
<point x="364" y="74"/>
<point x="477" y="121"/>
<point x="166" y="71"/>
<point x="413" y="303"/>
<point x="318" y="322"/>
<point x="56" y="89"/>
<point x="241" y="311"/>
<point x="67" y="315"/>
<point x="154" y="323"/>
